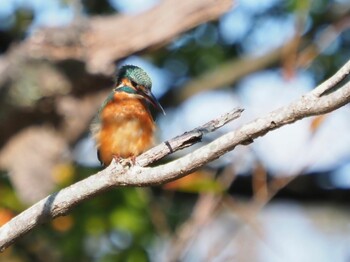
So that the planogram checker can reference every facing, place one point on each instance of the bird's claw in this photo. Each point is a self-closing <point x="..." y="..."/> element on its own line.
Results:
<point x="125" y="162"/>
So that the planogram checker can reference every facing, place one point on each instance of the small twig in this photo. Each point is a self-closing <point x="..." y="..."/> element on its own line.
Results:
<point x="333" y="81"/>
<point x="204" y="211"/>
<point x="187" y="139"/>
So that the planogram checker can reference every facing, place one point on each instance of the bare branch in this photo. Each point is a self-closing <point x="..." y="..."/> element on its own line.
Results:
<point x="115" y="175"/>
<point x="228" y="73"/>
<point x="187" y="139"/>
<point x="99" y="41"/>
<point x="332" y="82"/>
<point x="102" y="40"/>
<point x="41" y="211"/>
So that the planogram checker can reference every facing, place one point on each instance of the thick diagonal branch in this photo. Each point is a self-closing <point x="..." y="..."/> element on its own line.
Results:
<point x="115" y="175"/>
<point x="41" y="211"/>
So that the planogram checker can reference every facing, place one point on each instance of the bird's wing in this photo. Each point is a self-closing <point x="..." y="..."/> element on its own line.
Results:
<point x="95" y="126"/>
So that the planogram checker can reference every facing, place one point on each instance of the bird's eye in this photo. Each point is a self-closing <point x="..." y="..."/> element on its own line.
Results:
<point x="134" y="83"/>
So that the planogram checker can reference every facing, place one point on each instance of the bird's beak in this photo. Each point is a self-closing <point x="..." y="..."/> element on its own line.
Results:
<point x="151" y="98"/>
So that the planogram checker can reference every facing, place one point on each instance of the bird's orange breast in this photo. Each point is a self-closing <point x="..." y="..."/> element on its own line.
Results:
<point x="126" y="129"/>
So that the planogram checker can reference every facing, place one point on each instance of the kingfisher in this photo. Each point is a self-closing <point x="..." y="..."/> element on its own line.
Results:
<point x="124" y="127"/>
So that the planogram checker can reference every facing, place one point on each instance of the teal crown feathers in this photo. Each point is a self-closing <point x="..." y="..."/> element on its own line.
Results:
<point x="135" y="74"/>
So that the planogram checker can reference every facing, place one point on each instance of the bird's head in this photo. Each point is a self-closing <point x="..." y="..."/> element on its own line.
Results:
<point x="135" y="81"/>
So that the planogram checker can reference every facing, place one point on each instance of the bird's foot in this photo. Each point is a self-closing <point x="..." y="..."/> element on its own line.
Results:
<point x="125" y="162"/>
<point x="133" y="160"/>
<point x="117" y="158"/>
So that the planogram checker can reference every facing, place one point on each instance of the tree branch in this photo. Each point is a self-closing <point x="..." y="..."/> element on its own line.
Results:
<point x="313" y="103"/>
<point x="40" y="212"/>
<point x="225" y="74"/>
<point x="187" y="139"/>
<point x="98" y="42"/>
<point x="102" y="40"/>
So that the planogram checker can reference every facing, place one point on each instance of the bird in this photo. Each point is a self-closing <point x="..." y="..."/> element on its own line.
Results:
<point x="124" y="127"/>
